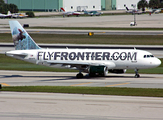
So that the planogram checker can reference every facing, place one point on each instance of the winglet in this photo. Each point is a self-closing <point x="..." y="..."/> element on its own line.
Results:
<point x="21" y="39"/>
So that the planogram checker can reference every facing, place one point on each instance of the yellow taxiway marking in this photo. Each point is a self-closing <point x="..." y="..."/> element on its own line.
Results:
<point x="116" y="85"/>
<point x="100" y="32"/>
<point x="5" y="84"/>
<point x="81" y="84"/>
<point x="34" y="31"/>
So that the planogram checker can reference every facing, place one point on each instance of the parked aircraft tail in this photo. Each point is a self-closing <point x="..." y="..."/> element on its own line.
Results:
<point x="127" y="9"/>
<point x="9" y="13"/>
<point x="21" y="39"/>
<point x="62" y="9"/>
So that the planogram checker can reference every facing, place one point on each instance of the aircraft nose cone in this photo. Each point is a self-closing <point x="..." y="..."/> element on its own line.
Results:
<point x="157" y="62"/>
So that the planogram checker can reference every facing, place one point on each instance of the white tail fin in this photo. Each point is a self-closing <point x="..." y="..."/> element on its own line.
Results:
<point x="9" y="13"/>
<point x="21" y="39"/>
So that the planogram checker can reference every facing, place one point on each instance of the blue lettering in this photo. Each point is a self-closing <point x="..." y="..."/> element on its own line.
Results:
<point x="106" y="55"/>
<point x="39" y="54"/>
<point x="64" y="55"/>
<point x="98" y="56"/>
<point x="56" y="54"/>
<point x="115" y="56"/>
<point x="131" y="57"/>
<point x="80" y="56"/>
<point x="50" y="55"/>
<point x="123" y="56"/>
<point x="44" y="56"/>
<point x="72" y="56"/>
<point x="87" y="55"/>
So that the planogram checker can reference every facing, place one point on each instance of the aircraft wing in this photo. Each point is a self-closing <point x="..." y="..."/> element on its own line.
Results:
<point x="78" y="64"/>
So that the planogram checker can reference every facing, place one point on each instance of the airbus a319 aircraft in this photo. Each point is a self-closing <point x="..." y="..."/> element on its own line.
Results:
<point x="96" y="62"/>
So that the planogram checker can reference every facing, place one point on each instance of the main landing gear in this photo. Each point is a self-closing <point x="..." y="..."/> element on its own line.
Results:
<point x="79" y="75"/>
<point x="136" y="73"/>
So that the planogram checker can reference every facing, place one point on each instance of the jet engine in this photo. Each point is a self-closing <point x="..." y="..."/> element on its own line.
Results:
<point x="98" y="71"/>
<point x="118" y="71"/>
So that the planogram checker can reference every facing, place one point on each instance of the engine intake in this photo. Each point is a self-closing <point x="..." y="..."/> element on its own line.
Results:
<point x="98" y="71"/>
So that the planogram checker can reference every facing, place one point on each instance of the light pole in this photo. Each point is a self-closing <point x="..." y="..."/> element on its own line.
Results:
<point x="134" y="6"/>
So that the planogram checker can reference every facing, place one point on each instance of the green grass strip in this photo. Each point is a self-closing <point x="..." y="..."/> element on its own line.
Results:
<point x="89" y="90"/>
<point x="95" y="28"/>
<point x="95" y="39"/>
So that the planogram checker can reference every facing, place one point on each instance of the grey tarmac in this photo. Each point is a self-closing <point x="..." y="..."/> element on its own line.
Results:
<point x="29" y="78"/>
<point x="143" y="21"/>
<point x="48" y="106"/>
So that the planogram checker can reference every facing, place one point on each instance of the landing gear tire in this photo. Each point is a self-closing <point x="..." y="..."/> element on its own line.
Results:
<point x="79" y="75"/>
<point x="92" y="75"/>
<point x="137" y="76"/>
<point x="136" y="73"/>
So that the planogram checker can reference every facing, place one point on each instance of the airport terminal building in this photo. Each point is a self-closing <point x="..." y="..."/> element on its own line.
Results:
<point x="71" y="5"/>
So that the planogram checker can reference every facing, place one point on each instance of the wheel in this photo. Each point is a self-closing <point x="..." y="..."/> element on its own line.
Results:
<point x="91" y="75"/>
<point x="137" y="76"/>
<point x="80" y="75"/>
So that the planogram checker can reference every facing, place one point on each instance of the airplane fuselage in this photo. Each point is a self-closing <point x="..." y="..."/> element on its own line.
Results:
<point x="113" y="58"/>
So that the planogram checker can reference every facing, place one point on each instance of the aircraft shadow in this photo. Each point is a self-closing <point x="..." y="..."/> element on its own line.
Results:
<point x="72" y="77"/>
<point x="57" y="77"/>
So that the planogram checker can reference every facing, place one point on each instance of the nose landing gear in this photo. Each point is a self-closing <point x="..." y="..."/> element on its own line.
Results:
<point x="79" y="75"/>
<point x="136" y="73"/>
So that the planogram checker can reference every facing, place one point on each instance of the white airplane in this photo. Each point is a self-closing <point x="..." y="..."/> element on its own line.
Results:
<point x="133" y="11"/>
<point x="156" y="11"/>
<point x="92" y="61"/>
<point x="5" y="16"/>
<point x="17" y="15"/>
<point x="70" y="13"/>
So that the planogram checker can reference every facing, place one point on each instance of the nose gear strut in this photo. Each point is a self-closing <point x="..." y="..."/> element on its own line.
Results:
<point x="136" y="73"/>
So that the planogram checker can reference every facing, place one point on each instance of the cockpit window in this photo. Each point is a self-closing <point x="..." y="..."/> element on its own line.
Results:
<point x="151" y="56"/>
<point x="148" y="56"/>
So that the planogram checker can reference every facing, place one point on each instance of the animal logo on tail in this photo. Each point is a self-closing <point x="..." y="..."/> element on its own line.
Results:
<point x="17" y="37"/>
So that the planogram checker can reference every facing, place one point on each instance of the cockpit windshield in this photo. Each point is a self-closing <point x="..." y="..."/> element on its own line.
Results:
<point x="148" y="56"/>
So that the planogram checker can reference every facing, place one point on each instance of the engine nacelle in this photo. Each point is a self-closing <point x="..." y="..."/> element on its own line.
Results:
<point x="118" y="71"/>
<point x="98" y="71"/>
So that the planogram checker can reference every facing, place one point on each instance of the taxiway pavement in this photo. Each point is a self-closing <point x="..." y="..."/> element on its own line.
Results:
<point x="50" y="106"/>
<point x="27" y="78"/>
<point x="144" y="20"/>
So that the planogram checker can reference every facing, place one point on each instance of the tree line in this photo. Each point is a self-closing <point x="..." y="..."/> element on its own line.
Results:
<point x="154" y="4"/>
<point x="4" y="8"/>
